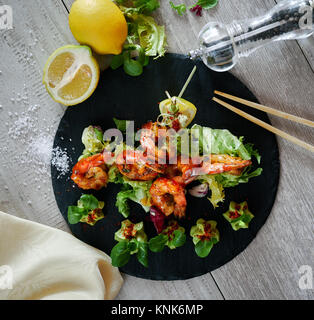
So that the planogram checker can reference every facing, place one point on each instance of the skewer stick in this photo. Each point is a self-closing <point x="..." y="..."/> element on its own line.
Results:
<point x="187" y="82"/>
<point x="267" y="109"/>
<point x="168" y="94"/>
<point x="266" y="125"/>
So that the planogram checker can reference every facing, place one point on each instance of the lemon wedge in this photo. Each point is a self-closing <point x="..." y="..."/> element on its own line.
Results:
<point x="184" y="108"/>
<point x="71" y="74"/>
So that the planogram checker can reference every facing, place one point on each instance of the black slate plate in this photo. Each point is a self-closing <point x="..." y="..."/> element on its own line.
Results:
<point x="121" y="96"/>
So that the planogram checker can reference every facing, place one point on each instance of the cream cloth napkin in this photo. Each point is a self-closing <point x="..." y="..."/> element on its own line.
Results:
<point x="40" y="262"/>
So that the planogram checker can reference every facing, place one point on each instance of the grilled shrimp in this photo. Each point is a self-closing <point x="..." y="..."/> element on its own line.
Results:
<point x="184" y="172"/>
<point x="220" y="163"/>
<point x="132" y="165"/>
<point x="90" y="173"/>
<point x="156" y="140"/>
<point x="169" y="197"/>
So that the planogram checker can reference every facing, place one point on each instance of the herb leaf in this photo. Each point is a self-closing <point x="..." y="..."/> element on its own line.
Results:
<point x="147" y="6"/>
<point x="75" y="214"/>
<point x="180" y="8"/>
<point x="203" y="248"/>
<point x="158" y="243"/>
<point x="88" y="201"/>
<point x="99" y="134"/>
<point x="142" y="254"/>
<point x="117" y="61"/>
<point x="120" y="254"/>
<point x="132" y="67"/>
<point x="120" y="124"/>
<point x="207" y="4"/>
<point x="179" y="239"/>
<point x="122" y="202"/>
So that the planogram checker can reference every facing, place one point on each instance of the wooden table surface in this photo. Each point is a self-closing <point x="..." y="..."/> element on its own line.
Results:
<point x="281" y="76"/>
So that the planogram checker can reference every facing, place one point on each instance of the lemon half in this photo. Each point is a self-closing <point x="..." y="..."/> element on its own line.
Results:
<point x="186" y="108"/>
<point x="71" y="74"/>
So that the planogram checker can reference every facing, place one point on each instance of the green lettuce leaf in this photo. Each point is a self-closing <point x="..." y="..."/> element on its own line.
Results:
<point x="152" y="37"/>
<point x="219" y="141"/>
<point x="180" y="8"/>
<point x="137" y="191"/>
<point x="207" y="4"/>
<point x="228" y="180"/>
<point x="92" y="138"/>
<point x="114" y="175"/>
<point x="217" y="190"/>
<point x="139" y="6"/>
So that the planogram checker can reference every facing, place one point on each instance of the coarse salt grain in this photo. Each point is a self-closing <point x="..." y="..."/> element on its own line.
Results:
<point x="60" y="160"/>
<point x="36" y="142"/>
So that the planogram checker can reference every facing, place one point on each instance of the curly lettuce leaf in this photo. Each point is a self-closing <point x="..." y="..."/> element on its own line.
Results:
<point x="152" y="37"/>
<point x="136" y="191"/>
<point x="219" y="141"/>
<point x="139" y="6"/>
<point x="92" y="138"/>
<point x="228" y="180"/>
<point x="180" y="8"/>
<point x="217" y="190"/>
<point x="114" y="175"/>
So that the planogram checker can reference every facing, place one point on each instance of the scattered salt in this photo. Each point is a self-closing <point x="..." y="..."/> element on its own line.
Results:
<point x="60" y="160"/>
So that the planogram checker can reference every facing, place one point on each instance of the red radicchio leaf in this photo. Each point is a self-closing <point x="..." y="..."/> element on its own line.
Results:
<point x="197" y="9"/>
<point x="158" y="218"/>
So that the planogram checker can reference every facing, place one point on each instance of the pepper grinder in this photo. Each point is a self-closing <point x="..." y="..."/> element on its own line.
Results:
<point x="221" y="46"/>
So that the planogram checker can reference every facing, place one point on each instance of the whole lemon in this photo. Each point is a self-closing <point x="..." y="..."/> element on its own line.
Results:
<point x="99" y="24"/>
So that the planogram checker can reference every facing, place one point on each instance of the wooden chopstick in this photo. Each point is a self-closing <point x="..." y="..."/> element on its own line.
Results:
<point x="266" y="109"/>
<point x="266" y="125"/>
